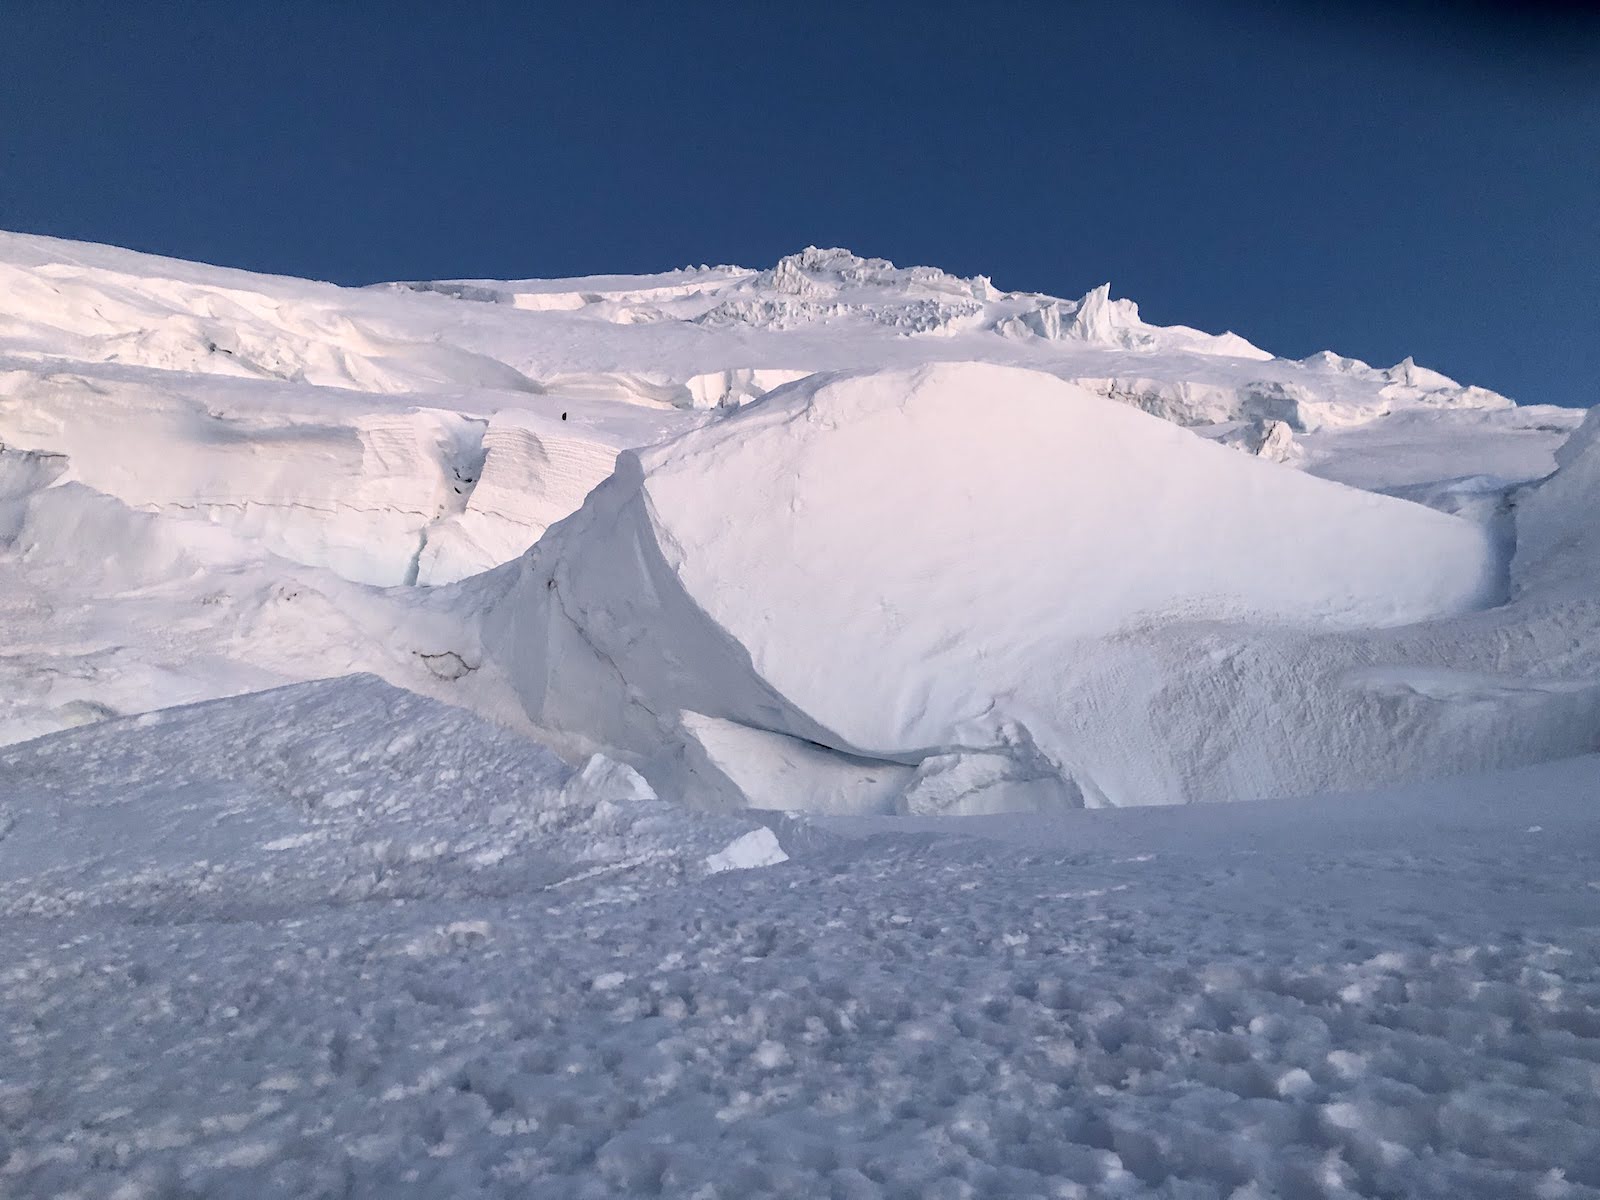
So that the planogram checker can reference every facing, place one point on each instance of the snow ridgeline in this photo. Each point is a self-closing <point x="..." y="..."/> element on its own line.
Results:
<point x="348" y="428"/>
<point x="845" y="293"/>
<point x="1057" y="602"/>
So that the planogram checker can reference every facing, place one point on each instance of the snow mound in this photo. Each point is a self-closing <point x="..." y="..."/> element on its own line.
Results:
<point x="351" y="491"/>
<point x="338" y="792"/>
<point x="100" y="305"/>
<point x="921" y="563"/>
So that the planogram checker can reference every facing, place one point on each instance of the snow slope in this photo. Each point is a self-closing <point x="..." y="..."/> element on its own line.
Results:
<point x="343" y="791"/>
<point x="1558" y="546"/>
<point x="338" y="941"/>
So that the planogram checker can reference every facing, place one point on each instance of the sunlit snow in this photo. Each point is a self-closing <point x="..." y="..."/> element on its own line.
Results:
<point x="633" y="736"/>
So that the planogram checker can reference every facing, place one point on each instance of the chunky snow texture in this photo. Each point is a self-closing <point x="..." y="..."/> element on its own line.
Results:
<point x="926" y="564"/>
<point x="341" y="791"/>
<point x="335" y="941"/>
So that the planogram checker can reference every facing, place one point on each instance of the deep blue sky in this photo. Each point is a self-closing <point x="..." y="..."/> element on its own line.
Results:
<point x="1377" y="184"/>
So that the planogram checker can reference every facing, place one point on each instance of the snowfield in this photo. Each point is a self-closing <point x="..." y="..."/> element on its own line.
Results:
<point x="637" y="735"/>
<point x="337" y="941"/>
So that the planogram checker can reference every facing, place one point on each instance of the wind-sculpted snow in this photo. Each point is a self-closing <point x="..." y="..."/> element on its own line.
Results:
<point x="908" y="582"/>
<point x="339" y="942"/>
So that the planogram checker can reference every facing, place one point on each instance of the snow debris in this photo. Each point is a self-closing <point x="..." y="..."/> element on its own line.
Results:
<point x="758" y="848"/>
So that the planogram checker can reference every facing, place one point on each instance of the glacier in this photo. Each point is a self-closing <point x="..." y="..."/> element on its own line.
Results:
<point x="633" y="735"/>
<point x="334" y="444"/>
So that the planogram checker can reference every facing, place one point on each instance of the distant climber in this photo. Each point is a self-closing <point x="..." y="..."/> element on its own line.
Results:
<point x="563" y="416"/>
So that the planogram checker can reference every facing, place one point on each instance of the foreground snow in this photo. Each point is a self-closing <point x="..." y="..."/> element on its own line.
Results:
<point x="335" y="941"/>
